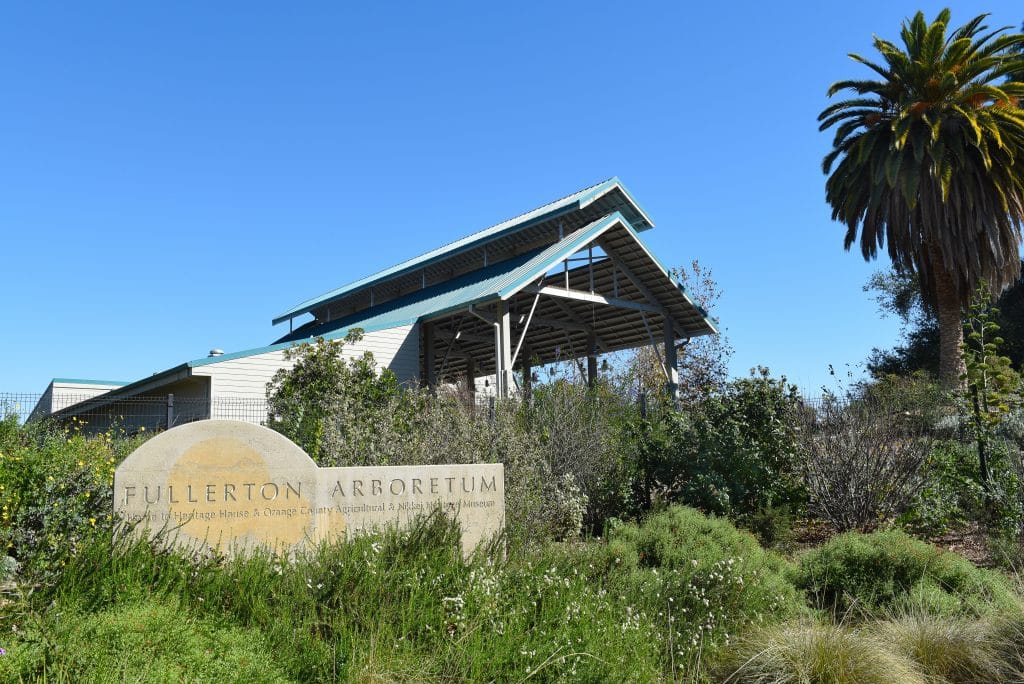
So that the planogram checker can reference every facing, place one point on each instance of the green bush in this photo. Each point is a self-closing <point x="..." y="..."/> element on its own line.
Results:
<point x="580" y="437"/>
<point x="952" y="495"/>
<point x="147" y="642"/>
<point x="699" y="579"/>
<point x="733" y="453"/>
<point x="868" y="573"/>
<point x="55" y="491"/>
<point x="324" y="397"/>
<point x="344" y="414"/>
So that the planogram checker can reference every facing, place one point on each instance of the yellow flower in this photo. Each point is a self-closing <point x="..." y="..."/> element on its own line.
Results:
<point x="92" y="521"/>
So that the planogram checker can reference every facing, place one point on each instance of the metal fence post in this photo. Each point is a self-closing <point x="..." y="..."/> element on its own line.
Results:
<point x="170" y="411"/>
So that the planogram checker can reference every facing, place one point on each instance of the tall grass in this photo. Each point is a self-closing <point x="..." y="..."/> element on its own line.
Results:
<point x="399" y="606"/>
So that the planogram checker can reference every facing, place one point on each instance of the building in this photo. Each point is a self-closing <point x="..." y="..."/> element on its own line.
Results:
<point x="569" y="280"/>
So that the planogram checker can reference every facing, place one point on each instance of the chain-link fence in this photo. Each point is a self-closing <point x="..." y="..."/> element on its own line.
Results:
<point x="98" y="414"/>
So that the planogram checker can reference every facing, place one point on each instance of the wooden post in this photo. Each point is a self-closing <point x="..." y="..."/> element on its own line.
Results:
<point x="428" y="357"/>
<point x="527" y="374"/>
<point x="591" y="360"/>
<point x="671" y="372"/>
<point x="471" y="378"/>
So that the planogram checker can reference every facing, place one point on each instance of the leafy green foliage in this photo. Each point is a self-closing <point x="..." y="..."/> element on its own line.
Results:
<point x="322" y="392"/>
<point x="55" y="491"/>
<point x="732" y="453"/>
<point x="993" y="388"/>
<point x="147" y="642"/>
<point x="868" y="573"/>
<point x="715" y="578"/>
<point x="951" y="496"/>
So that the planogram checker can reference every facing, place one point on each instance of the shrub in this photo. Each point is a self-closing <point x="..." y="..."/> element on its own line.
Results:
<point x="323" y="396"/>
<point x="699" y="579"/>
<point x="731" y="453"/>
<point x="811" y="652"/>
<point x="951" y="495"/>
<point x="864" y="460"/>
<point x="881" y="571"/>
<point x="146" y="642"/>
<point x="55" y="491"/>
<point x="579" y="430"/>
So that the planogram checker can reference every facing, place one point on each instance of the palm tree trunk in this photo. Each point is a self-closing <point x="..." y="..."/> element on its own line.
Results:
<point x="951" y="330"/>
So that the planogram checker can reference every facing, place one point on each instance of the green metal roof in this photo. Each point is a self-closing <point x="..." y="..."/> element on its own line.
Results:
<point x="79" y="381"/>
<point x="498" y="281"/>
<point x="547" y="212"/>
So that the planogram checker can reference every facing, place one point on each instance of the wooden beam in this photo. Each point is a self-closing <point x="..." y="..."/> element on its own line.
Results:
<point x="639" y="284"/>
<point x="633" y="278"/>
<point x="561" y="325"/>
<point x="578" y="295"/>
<point x="445" y="334"/>
<point x="567" y="310"/>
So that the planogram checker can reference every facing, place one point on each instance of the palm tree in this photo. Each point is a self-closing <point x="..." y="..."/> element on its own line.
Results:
<point x="928" y="161"/>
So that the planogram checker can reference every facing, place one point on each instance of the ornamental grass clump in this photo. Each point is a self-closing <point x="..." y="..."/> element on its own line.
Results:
<point x="813" y="653"/>
<point x="869" y="574"/>
<point x="953" y="650"/>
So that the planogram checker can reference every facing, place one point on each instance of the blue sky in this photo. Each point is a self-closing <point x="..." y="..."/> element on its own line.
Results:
<point x="175" y="175"/>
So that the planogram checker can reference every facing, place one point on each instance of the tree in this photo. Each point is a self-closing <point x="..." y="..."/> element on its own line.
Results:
<point x="323" y="396"/>
<point x="900" y="295"/>
<point x="929" y="162"/>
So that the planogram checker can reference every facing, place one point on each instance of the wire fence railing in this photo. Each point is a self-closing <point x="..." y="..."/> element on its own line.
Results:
<point x="98" y="413"/>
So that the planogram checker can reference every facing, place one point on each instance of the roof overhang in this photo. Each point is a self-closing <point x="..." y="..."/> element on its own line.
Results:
<point x="538" y="228"/>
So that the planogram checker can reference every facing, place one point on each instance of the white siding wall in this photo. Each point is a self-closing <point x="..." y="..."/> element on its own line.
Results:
<point x="61" y="394"/>
<point x="247" y="377"/>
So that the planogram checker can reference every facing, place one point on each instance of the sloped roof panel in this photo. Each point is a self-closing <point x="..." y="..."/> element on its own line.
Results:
<point x="479" y="286"/>
<point x="584" y="198"/>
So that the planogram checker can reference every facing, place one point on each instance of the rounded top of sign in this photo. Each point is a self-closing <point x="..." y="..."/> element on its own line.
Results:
<point x="165" y="449"/>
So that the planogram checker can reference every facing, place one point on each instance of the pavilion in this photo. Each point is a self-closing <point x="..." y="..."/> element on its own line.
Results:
<point x="568" y="281"/>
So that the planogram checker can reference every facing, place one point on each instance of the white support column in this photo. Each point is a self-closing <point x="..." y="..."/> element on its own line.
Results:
<point x="428" y="357"/>
<point x="671" y="372"/>
<point x="503" y="364"/>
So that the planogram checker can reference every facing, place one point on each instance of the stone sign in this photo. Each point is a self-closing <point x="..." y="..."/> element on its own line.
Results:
<point x="230" y="485"/>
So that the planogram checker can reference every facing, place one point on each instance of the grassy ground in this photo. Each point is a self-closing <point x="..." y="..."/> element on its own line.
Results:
<point x="682" y="598"/>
